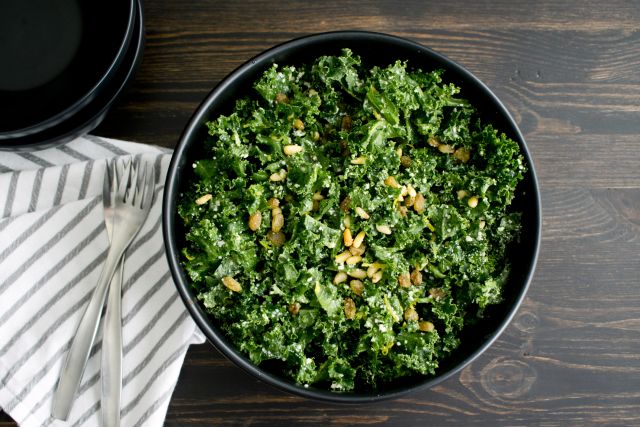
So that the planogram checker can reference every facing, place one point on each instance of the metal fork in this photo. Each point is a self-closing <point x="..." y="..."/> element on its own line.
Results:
<point x="111" y="366"/>
<point x="130" y="209"/>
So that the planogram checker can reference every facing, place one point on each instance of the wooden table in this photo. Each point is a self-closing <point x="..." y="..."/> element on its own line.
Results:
<point x="569" y="72"/>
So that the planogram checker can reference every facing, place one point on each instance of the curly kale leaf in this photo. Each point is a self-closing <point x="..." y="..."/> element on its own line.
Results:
<point x="424" y="270"/>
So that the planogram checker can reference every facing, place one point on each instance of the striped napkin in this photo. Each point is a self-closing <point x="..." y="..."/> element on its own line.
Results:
<point x="52" y="246"/>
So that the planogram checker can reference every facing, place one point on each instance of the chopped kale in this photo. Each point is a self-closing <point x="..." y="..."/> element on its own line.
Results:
<point x="380" y="221"/>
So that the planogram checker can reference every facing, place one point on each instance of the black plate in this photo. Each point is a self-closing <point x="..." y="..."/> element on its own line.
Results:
<point x="374" y="49"/>
<point x="87" y="118"/>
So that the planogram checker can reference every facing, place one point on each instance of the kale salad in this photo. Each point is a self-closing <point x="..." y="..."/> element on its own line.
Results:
<point x="347" y="222"/>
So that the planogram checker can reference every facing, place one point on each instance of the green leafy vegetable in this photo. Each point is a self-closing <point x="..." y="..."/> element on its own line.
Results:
<point x="399" y="159"/>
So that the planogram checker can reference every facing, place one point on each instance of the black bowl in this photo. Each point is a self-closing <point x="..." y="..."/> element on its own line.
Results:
<point x="91" y="115"/>
<point x="374" y="49"/>
<point x="56" y="57"/>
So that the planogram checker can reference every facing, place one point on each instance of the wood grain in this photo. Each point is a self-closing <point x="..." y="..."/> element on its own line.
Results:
<point x="569" y="74"/>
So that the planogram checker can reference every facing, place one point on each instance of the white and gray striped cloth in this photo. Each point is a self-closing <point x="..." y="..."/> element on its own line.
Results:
<point x="52" y="246"/>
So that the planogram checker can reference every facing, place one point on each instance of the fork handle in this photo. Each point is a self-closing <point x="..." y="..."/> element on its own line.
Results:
<point x="111" y="366"/>
<point x="85" y="334"/>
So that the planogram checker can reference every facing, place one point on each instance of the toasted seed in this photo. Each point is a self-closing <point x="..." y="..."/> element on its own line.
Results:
<point x="294" y="308"/>
<point x="347" y="237"/>
<point x="410" y="314"/>
<point x="426" y="326"/>
<point x="277" y="238"/>
<point x="482" y="224"/>
<point x="399" y="151"/>
<point x="409" y="201"/>
<point x="357" y="273"/>
<point x="278" y="176"/>
<point x="359" y="160"/>
<point x="203" y="199"/>
<point x="255" y="220"/>
<point x="383" y="228"/>
<point x="433" y="141"/>
<point x="356" y="286"/>
<point x="404" y="280"/>
<point x="315" y="201"/>
<point x="436" y="293"/>
<point x="411" y="191"/>
<point x="416" y="277"/>
<point x="419" y="203"/>
<point x="462" y="154"/>
<point x="281" y="98"/>
<point x="357" y="241"/>
<point x="346" y="122"/>
<point x="377" y="276"/>
<point x="390" y="181"/>
<point x="462" y="194"/>
<point x="353" y="259"/>
<point x="232" y="284"/>
<point x="277" y="220"/>
<point x="349" y="308"/>
<point x="344" y="204"/>
<point x="298" y="124"/>
<point x="446" y="148"/>
<point x="273" y="203"/>
<point x="405" y="161"/>
<point x="340" y="277"/>
<point x="290" y="150"/>
<point x="347" y="221"/>
<point x="362" y="213"/>
<point x="373" y="268"/>
<point x="344" y="148"/>
<point x="342" y="257"/>
<point x="315" y="135"/>
<point x="472" y="202"/>
<point x="403" y="191"/>
<point x="403" y="211"/>
<point x="359" y="250"/>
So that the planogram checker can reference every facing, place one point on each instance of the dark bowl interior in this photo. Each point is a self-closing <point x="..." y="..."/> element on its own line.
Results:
<point x="374" y="49"/>
<point x="92" y="114"/>
<point x="55" y="56"/>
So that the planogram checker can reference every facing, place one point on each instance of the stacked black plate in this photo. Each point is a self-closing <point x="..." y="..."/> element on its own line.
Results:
<point x="63" y="63"/>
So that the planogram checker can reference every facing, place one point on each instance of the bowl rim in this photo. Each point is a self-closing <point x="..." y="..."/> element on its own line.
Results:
<point x="90" y="94"/>
<point x="183" y="285"/>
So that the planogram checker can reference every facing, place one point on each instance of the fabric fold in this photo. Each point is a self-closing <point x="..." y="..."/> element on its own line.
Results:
<point x="52" y="246"/>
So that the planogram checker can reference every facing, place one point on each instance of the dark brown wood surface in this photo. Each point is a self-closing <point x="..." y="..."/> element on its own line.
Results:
<point x="569" y="72"/>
